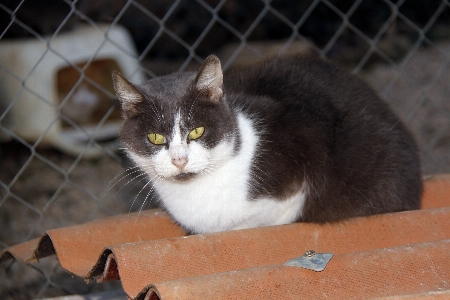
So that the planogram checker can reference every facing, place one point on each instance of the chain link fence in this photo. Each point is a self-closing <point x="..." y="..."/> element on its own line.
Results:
<point x="59" y="157"/>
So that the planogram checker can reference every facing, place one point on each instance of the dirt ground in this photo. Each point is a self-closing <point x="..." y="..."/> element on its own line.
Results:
<point x="52" y="189"/>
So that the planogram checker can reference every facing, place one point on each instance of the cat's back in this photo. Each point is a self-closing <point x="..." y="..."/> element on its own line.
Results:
<point x="324" y="126"/>
<point x="295" y="78"/>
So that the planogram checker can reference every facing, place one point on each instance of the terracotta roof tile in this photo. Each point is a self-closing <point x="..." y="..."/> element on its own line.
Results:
<point x="405" y="254"/>
<point x="382" y="272"/>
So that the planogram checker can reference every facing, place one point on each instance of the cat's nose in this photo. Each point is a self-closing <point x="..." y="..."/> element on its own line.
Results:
<point x="180" y="162"/>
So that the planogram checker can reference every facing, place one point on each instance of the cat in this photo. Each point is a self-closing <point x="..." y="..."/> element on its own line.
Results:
<point x="288" y="139"/>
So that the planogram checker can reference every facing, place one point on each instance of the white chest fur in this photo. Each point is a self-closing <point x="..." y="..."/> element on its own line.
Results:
<point x="217" y="201"/>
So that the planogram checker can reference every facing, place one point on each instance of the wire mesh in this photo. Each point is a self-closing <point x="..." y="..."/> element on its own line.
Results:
<point x="47" y="180"/>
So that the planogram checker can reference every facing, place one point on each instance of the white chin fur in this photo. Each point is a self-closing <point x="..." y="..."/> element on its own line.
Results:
<point x="216" y="199"/>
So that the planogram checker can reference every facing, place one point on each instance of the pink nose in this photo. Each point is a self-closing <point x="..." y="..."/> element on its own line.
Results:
<point x="180" y="162"/>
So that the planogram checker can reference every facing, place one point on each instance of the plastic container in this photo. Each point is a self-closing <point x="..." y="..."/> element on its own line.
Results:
<point x="57" y="91"/>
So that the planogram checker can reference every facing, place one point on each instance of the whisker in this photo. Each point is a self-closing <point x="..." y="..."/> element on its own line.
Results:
<point x="151" y="180"/>
<point x="115" y="178"/>
<point x="192" y="106"/>
<point x="147" y="196"/>
<point x="130" y="180"/>
<point x="137" y="195"/>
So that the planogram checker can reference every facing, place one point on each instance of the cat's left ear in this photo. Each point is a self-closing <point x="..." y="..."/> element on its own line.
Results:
<point x="209" y="79"/>
<point x="128" y="95"/>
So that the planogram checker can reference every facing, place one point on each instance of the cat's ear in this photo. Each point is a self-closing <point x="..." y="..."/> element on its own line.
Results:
<point x="128" y="95"/>
<point x="209" y="79"/>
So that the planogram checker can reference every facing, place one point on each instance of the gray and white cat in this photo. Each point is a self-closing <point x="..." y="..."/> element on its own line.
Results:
<point x="288" y="139"/>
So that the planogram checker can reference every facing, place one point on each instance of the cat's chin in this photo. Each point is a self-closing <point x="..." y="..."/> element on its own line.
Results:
<point x="185" y="176"/>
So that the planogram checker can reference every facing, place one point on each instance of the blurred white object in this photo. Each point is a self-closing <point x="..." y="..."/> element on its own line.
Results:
<point x="31" y="97"/>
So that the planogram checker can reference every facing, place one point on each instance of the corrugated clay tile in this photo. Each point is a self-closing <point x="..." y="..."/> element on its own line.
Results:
<point x="168" y="259"/>
<point x="23" y="252"/>
<point x="430" y="295"/>
<point x="78" y="247"/>
<point x="359" y="275"/>
<point x="436" y="194"/>
<point x="141" y="263"/>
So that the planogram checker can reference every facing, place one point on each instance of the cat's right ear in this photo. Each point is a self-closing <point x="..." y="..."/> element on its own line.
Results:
<point x="128" y="95"/>
<point x="209" y="79"/>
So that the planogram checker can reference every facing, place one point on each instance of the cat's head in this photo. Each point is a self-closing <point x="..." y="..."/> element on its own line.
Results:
<point x="178" y="126"/>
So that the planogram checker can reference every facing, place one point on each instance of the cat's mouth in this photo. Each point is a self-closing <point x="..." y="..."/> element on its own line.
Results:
<point x="184" y="176"/>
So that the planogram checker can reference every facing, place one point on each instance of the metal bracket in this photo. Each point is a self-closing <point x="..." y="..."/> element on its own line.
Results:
<point x="311" y="261"/>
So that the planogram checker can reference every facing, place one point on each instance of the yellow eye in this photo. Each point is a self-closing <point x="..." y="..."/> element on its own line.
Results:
<point x="156" y="138"/>
<point x="196" y="133"/>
